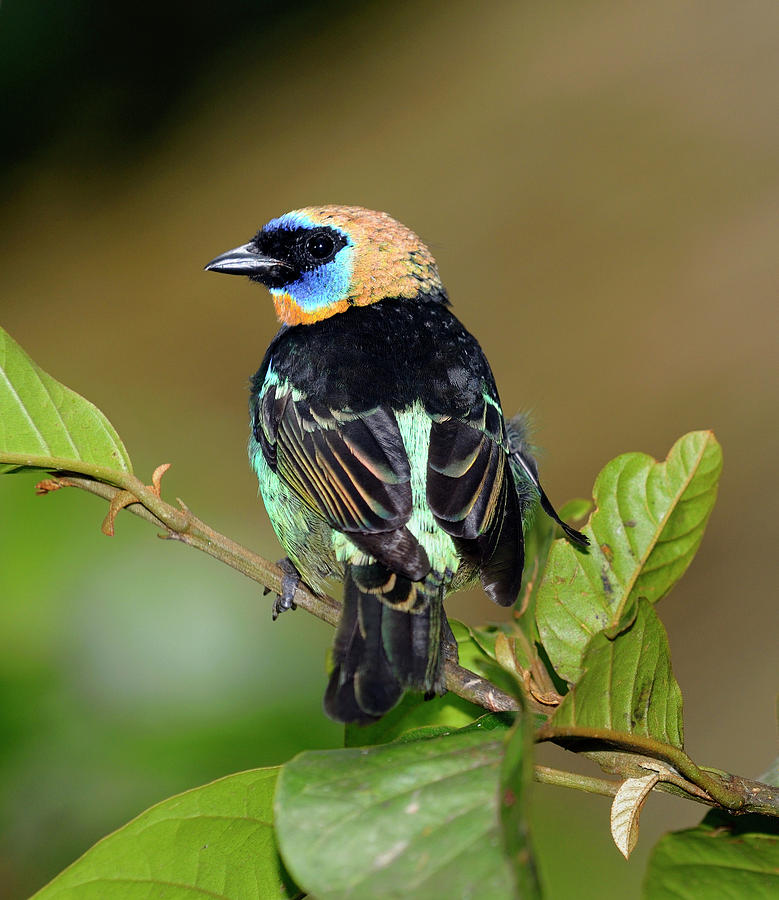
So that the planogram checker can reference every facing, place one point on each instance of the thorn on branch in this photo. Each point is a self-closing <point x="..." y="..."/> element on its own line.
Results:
<point x="118" y="501"/>
<point x="156" y="478"/>
<point x="545" y="698"/>
<point x="124" y="498"/>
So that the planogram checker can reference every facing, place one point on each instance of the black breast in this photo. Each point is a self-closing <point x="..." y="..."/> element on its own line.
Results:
<point x="392" y="352"/>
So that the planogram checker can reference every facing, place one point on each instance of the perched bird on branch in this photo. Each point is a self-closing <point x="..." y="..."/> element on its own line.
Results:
<point x="380" y="447"/>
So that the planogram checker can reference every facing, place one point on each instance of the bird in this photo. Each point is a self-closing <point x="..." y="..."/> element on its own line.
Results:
<point x="383" y="457"/>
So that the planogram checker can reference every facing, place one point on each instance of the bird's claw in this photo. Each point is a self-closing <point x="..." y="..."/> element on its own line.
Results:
<point x="289" y="585"/>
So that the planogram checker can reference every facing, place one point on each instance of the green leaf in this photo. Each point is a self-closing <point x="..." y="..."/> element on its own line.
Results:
<point x="214" y="841"/>
<point x="498" y="722"/>
<point x="539" y="537"/>
<point x="476" y="650"/>
<point x="516" y="775"/>
<point x="46" y="425"/>
<point x="404" y="820"/>
<point x="575" y="512"/>
<point x="473" y="652"/>
<point x="513" y="654"/>
<point x="648" y="524"/>
<point x="722" y="857"/>
<point x="446" y="714"/>
<point x="628" y="684"/>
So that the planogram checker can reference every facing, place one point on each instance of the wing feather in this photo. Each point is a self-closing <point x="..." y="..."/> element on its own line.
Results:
<point x="350" y="468"/>
<point x="472" y="496"/>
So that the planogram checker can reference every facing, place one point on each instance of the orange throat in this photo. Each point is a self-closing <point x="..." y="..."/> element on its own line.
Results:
<point x="290" y="312"/>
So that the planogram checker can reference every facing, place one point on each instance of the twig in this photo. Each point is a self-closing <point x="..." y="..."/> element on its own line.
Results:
<point x="545" y="775"/>
<point x="181" y="525"/>
<point x="736" y="794"/>
<point x="478" y="690"/>
<point x="606" y="788"/>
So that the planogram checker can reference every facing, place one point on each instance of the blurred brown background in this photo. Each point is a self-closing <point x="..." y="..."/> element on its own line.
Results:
<point x="600" y="184"/>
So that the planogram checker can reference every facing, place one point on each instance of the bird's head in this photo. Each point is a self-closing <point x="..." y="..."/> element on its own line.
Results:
<point x="321" y="260"/>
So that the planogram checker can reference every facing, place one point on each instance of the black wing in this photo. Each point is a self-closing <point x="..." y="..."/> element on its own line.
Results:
<point x="471" y="492"/>
<point x="351" y="468"/>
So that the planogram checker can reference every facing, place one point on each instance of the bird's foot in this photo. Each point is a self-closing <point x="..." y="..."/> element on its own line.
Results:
<point x="290" y="582"/>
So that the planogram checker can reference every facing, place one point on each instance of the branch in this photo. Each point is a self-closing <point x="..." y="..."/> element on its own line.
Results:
<point x="123" y="490"/>
<point x="763" y="797"/>
<point x="731" y="792"/>
<point x="181" y="525"/>
<point x="545" y="775"/>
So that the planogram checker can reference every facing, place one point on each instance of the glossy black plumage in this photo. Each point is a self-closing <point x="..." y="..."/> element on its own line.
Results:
<point x="387" y="356"/>
<point x="339" y="443"/>
<point x="390" y="353"/>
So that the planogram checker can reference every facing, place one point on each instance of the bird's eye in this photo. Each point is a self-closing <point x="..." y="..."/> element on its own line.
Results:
<point x="320" y="246"/>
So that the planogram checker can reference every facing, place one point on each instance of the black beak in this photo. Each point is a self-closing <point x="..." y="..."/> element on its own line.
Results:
<point x="247" y="260"/>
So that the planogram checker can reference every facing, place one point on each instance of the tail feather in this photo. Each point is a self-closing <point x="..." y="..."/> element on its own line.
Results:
<point x="382" y="647"/>
<point x="412" y="642"/>
<point x="340" y="700"/>
<point x="376" y="687"/>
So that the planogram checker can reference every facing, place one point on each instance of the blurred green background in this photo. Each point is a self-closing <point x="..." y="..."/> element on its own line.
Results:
<point x="599" y="182"/>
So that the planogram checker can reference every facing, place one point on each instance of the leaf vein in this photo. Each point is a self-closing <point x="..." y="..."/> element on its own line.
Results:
<point x="24" y="409"/>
